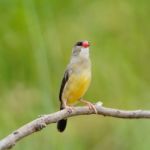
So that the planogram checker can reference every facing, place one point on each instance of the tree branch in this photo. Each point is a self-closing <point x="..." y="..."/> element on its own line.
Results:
<point x="41" y="122"/>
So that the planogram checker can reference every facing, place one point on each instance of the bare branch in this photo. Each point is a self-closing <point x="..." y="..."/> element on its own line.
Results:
<point x="41" y="122"/>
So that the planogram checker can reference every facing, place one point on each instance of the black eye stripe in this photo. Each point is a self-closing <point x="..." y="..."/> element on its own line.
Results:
<point x="79" y="44"/>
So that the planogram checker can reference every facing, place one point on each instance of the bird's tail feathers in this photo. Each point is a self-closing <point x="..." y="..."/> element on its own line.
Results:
<point x="61" y="124"/>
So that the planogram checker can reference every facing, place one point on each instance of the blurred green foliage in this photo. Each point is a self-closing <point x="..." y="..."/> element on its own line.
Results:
<point x="36" y="37"/>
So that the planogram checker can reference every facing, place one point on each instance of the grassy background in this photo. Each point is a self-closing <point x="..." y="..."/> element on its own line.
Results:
<point x="36" y="37"/>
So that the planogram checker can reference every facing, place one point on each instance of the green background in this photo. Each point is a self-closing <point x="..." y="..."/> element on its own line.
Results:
<point x="36" y="37"/>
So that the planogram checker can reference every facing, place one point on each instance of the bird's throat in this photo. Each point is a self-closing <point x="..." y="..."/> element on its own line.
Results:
<point x="84" y="52"/>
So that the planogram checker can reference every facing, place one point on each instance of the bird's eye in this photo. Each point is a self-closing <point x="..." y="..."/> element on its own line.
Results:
<point x="79" y="44"/>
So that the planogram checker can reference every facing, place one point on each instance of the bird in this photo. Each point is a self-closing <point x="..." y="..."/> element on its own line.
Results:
<point x="76" y="80"/>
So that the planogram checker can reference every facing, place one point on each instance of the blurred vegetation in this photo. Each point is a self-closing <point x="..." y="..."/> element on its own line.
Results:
<point x="36" y="37"/>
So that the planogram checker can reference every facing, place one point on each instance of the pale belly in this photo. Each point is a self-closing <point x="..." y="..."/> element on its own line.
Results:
<point x="76" y="87"/>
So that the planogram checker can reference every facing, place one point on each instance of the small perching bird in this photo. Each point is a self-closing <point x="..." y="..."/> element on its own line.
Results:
<point x="76" y="80"/>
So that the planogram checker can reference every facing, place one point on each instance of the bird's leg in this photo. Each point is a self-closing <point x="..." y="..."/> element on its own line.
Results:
<point x="90" y="105"/>
<point x="65" y="106"/>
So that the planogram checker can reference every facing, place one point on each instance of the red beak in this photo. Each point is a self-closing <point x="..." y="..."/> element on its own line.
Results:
<point x="85" y="44"/>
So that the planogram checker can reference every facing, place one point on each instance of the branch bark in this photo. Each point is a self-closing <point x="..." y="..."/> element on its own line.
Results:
<point x="38" y="124"/>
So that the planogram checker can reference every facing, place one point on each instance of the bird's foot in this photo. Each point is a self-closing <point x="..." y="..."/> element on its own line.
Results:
<point x="69" y="108"/>
<point x="90" y="105"/>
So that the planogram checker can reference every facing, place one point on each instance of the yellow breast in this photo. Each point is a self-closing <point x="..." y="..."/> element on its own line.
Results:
<point x="76" y="86"/>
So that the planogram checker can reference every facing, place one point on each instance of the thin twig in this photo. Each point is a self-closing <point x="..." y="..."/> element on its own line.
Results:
<point x="41" y="122"/>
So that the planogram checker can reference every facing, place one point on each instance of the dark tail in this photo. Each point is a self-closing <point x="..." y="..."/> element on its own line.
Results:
<point x="61" y="124"/>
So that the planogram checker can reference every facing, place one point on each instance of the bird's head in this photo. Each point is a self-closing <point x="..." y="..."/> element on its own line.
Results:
<point x="81" y="49"/>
